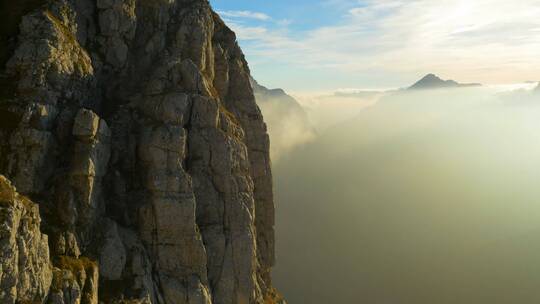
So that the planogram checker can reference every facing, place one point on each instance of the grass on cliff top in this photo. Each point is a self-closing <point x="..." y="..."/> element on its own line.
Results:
<point x="73" y="265"/>
<point x="60" y="25"/>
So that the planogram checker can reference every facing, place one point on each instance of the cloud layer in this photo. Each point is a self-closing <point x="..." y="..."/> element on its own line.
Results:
<point x="426" y="197"/>
<point x="492" y="41"/>
<point x="244" y="14"/>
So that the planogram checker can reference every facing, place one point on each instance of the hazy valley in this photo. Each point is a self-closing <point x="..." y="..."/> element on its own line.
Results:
<point x="423" y="197"/>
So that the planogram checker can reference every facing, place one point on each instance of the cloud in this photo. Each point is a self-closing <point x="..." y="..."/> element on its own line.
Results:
<point x="249" y="33"/>
<point x="245" y="14"/>
<point x="414" y="177"/>
<point x="483" y="40"/>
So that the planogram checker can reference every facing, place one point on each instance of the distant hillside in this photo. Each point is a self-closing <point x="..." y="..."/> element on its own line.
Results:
<point x="287" y="121"/>
<point x="265" y="95"/>
<point x="432" y="81"/>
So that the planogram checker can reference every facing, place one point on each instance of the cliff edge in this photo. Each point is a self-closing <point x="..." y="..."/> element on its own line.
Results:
<point x="132" y="127"/>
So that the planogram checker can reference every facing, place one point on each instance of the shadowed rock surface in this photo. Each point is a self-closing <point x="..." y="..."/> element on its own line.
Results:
<point x="431" y="81"/>
<point x="133" y="126"/>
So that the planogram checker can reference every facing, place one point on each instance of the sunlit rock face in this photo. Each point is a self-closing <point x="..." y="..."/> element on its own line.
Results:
<point x="24" y="253"/>
<point x="133" y="126"/>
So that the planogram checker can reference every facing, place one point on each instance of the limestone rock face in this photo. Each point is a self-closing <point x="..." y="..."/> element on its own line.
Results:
<point x="25" y="269"/>
<point x="134" y="127"/>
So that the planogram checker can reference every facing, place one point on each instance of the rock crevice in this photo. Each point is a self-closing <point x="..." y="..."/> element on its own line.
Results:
<point x="134" y="127"/>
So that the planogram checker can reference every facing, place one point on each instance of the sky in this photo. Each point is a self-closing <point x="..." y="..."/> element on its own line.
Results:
<point x="322" y="45"/>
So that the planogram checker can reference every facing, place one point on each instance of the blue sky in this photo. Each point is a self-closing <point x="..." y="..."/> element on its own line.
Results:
<point x="322" y="45"/>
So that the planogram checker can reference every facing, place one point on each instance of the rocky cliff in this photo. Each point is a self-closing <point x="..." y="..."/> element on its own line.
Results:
<point x="132" y="127"/>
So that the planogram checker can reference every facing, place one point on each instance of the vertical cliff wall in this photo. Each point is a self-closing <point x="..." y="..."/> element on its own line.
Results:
<point x="132" y="125"/>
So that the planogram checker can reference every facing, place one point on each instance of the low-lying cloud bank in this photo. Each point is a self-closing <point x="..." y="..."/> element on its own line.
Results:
<point x="296" y="119"/>
<point x="287" y="121"/>
<point x="424" y="197"/>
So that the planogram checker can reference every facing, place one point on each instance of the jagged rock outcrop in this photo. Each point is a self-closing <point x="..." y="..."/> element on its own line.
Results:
<point x="25" y="269"/>
<point x="134" y="127"/>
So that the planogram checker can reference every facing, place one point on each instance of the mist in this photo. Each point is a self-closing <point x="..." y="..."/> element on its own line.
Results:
<point x="288" y="125"/>
<point x="325" y="110"/>
<point x="418" y="198"/>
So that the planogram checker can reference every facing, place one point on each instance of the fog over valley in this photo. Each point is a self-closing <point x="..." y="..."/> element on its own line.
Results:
<point x="412" y="196"/>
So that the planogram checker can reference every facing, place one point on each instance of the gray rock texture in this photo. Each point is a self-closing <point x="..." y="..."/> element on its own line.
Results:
<point x="25" y="268"/>
<point x="134" y="126"/>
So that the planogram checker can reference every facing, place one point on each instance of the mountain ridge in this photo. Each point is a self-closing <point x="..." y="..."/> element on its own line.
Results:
<point x="264" y="94"/>
<point x="432" y="81"/>
<point x="287" y="121"/>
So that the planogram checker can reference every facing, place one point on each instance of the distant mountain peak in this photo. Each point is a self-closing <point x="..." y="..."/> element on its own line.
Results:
<point x="260" y="90"/>
<point x="431" y="76"/>
<point x="432" y="81"/>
